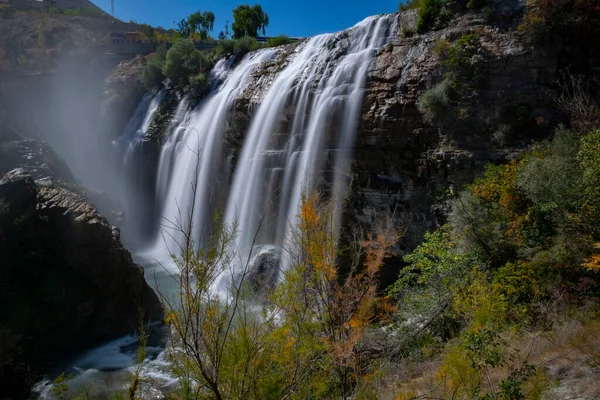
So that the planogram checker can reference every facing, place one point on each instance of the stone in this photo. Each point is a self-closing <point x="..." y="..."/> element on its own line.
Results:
<point x="67" y="282"/>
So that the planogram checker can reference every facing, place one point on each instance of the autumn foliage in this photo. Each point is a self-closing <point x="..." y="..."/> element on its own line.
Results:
<point x="302" y="341"/>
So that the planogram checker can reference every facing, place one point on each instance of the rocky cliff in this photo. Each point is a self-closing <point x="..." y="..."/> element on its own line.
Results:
<point x="66" y="282"/>
<point x="405" y="166"/>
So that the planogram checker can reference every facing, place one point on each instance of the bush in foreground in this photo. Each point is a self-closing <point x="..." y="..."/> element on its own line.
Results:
<point x="304" y="343"/>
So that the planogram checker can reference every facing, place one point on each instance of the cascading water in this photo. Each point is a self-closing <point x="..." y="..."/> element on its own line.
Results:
<point x="319" y="93"/>
<point x="139" y="123"/>
<point x="193" y="172"/>
<point x="300" y="136"/>
<point x="322" y="91"/>
<point x="133" y="149"/>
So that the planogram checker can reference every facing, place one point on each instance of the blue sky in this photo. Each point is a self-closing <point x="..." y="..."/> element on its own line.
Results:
<point x="296" y="18"/>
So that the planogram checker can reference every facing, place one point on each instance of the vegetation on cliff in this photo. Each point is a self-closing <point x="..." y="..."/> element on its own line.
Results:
<point x="482" y="309"/>
<point x="187" y="68"/>
<point x="489" y="306"/>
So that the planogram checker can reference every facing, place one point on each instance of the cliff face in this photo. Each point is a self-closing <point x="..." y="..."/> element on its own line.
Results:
<point x="405" y="167"/>
<point x="66" y="282"/>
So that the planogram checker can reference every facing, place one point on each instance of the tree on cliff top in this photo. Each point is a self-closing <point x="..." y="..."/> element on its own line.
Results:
<point x="248" y="21"/>
<point x="200" y="23"/>
<point x="183" y="61"/>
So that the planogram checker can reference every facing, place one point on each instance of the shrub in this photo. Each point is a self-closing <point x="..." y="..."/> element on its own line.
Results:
<point x="409" y="5"/>
<point x="435" y="103"/>
<point x="577" y="102"/>
<point x="429" y="10"/>
<point x="441" y="48"/>
<point x="478" y="228"/>
<point x="444" y="18"/>
<point x="589" y="157"/>
<point x="199" y="87"/>
<point x="470" y="364"/>
<point x="305" y="343"/>
<point x="278" y="41"/>
<point x="245" y="45"/>
<point x="436" y="272"/>
<point x="552" y="177"/>
<point x="183" y="61"/>
<point x="521" y="281"/>
<point x="5" y="11"/>
<point x="488" y="14"/>
<point x="225" y="47"/>
<point x="570" y="20"/>
<point x="152" y="74"/>
<point x="86" y="12"/>
<point x="460" y="58"/>
<point x="501" y="133"/>
<point x="406" y="31"/>
<point x="476" y="4"/>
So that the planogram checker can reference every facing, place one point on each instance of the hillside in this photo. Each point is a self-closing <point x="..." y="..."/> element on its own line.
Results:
<point x="33" y="41"/>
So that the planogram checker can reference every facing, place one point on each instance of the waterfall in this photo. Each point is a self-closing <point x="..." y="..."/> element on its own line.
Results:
<point x="139" y="123"/>
<point x="193" y="172"/>
<point x="135" y="179"/>
<point x="300" y="138"/>
<point x="321" y="91"/>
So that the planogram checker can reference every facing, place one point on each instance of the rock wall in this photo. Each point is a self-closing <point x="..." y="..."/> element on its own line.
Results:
<point x="66" y="282"/>
<point x="406" y="168"/>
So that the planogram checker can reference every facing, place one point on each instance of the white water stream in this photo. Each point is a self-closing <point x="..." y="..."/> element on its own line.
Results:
<point x="300" y="138"/>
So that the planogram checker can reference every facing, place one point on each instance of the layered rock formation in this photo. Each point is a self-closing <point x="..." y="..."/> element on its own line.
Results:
<point x="66" y="280"/>
<point x="39" y="158"/>
<point x="405" y="167"/>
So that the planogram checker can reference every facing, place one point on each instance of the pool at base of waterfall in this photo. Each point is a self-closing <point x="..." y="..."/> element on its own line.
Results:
<point x="107" y="370"/>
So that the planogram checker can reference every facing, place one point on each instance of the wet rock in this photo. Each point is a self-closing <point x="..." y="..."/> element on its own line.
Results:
<point x="39" y="158"/>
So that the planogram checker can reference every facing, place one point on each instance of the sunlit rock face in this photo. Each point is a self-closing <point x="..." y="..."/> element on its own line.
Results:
<point x="339" y="113"/>
<point x="37" y="156"/>
<point x="404" y="167"/>
<point x="67" y="282"/>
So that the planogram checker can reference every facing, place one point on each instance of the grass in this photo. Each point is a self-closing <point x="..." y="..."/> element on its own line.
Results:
<point x="567" y="356"/>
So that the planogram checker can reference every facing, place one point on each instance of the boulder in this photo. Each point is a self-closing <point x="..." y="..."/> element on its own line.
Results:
<point x="66" y="282"/>
<point x="38" y="157"/>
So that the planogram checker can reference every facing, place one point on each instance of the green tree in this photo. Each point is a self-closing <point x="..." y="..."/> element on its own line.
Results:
<point x="183" y="61"/>
<point x="429" y="10"/>
<point x="148" y="32"/>
<point x="248" y="21"/>
<point x="183" y="28"/>
<point x="280" y="40"/>
<point x="589" y="156"/>
<point x="152" y="74"/>
<point x="201" y="23"/>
